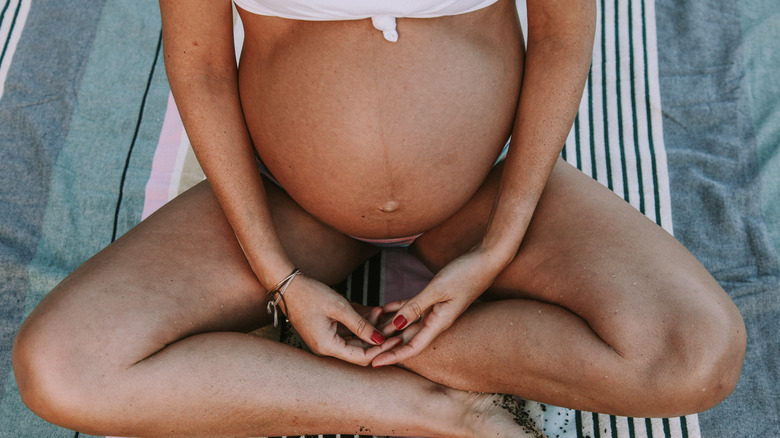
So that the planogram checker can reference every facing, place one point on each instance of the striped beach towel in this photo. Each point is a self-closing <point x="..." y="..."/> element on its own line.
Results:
<point x="617" y="139"/>
<point x="83" y="83"/>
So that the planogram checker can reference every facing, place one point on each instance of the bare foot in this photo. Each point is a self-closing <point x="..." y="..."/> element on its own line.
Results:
<point x="498" y="415"/>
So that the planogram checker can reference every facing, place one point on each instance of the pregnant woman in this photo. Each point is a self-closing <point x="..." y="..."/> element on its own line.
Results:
<point x="350" y="125"/>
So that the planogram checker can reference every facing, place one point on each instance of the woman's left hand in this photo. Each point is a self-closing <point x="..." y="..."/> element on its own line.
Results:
<point x="422" y="318"/>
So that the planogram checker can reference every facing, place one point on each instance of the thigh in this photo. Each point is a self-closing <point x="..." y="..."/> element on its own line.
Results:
<point x="592" y="253"/>
<point x="181" y="272"/>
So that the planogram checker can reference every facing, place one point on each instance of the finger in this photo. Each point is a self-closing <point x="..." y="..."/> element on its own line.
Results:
<point x="390" y="344"/>
<point x="419" y="342"/>
<point x="393" y="306"/>
<point x="374" y="315"/>
<point x="404" y="336"/>
<point x="361" y="309"/>
<point x="387" y="345"/>
<point x="363" y="354"/>
<point x="357" y="342"/>
<point x="361" y="327"/>
<point x="410" y="312"/>
<point x="384" y="319"/>
<point x="371" y="316"/>
<point x="353" y="353"/>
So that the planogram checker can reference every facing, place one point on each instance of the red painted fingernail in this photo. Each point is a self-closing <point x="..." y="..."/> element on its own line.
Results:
<point x="377" y="338"/>
<point x="400" y="322"/>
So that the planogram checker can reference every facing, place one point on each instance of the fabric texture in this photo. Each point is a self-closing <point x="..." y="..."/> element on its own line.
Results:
<point x="717" y="191"/>
<point x="328" y="10"/>
<point x="383" y="14"/>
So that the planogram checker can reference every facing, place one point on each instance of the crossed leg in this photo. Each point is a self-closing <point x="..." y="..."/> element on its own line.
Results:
<point x="147" y="338"/>
<point x="601" y="310"/>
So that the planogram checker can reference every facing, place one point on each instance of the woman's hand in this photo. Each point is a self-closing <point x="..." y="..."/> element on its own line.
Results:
<point x="320" y="315"/>
<point x="422" y="318"/>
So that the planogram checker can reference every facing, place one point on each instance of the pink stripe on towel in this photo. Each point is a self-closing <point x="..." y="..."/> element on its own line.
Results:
<point x="158" y="188"/>
<point x="405" y="276"/>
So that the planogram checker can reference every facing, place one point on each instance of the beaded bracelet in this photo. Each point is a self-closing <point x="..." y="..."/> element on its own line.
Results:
<point x="279" y="289"/>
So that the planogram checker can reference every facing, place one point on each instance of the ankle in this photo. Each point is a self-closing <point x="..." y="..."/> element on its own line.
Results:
<point x="496" y="415"/>
<point x="453" y="411"/>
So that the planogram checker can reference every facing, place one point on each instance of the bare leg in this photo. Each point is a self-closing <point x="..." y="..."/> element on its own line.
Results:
<point x="601" y="310"/>
<point x="145" y="340"/>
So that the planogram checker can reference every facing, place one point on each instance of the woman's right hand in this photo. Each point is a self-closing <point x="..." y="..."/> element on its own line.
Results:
<point x="317" y="311"/>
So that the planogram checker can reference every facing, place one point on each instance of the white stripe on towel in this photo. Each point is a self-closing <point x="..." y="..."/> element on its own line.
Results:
<point x="618" y="139"/>
<point x="618" y="136"/>
<point x="13" y="17"/>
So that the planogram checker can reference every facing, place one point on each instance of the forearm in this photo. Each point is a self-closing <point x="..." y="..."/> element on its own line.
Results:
<point x="221" y="143"/>
<point x="201" y="66"/>
<point x="556" y="68"/>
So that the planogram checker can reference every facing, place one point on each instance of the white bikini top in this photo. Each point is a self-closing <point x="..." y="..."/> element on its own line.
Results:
<point x="382" y="12"/>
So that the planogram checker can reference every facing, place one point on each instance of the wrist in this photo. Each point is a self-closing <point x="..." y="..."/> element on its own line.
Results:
<point x="277" y="295"/>
<point x="497" y="254"/>
<point x="269" y="270"/>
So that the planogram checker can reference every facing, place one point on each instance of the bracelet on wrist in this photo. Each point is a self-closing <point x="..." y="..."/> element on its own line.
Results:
<point x="277" y="294"/>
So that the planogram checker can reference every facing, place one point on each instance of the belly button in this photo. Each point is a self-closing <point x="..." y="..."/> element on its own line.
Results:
<point x="389" y="207"/>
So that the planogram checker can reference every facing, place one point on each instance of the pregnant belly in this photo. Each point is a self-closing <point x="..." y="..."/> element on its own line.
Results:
<point x="376" y="139"/>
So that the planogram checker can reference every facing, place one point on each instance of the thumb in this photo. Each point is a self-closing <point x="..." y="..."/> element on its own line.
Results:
<point x="360" y="326"/>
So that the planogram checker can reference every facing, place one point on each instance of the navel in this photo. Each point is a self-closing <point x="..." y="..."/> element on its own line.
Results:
<point x="389" y="207"/>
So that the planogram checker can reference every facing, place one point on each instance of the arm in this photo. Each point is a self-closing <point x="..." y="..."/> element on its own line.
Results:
<point x="560" y="42"/>
<point x="201" y="66"/>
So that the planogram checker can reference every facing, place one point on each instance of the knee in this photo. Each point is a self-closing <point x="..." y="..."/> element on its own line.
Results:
<point x="51" y="377"/>
<point x="700" y="365"/>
